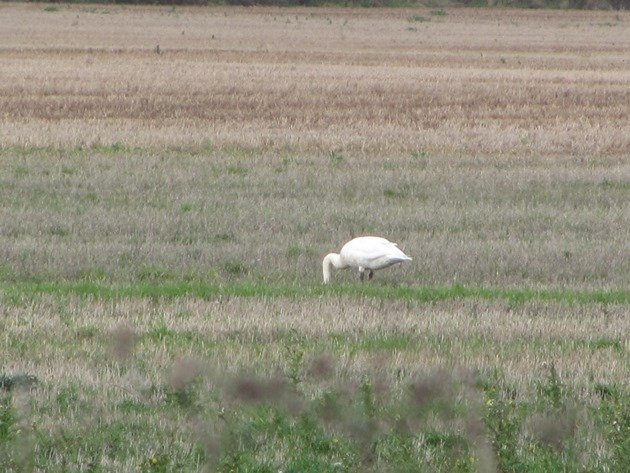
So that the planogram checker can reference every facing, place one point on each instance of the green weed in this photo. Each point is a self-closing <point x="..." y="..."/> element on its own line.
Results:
<point x="237" y="170"/>
<point x="395" y="193"/>
<point x="224" y="237"/>
<point x="235" y="268"/>
<point x="605" y="343"/>
<point x="110" y="149"/>
<point x="418" y="18"/>
<point x="335" y="157"/>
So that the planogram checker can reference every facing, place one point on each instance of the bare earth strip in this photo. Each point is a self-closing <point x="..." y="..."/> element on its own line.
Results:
<point x="385" y="81"/>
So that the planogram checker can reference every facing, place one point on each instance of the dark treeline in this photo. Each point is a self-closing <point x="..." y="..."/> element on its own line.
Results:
<point x="555" y="4"/>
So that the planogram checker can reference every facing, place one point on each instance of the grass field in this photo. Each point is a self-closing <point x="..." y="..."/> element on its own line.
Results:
<point x="171" y="178"/>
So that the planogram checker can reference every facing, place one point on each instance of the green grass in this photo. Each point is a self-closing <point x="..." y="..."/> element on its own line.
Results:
<point x="237" y="289"/>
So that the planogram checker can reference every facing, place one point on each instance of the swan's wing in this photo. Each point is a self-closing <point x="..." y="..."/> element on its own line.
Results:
<point x="388" y="259"/>
<point x="372" y="253"/>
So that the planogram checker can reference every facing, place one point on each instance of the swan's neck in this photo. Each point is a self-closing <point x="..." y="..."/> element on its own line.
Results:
<point x="332" y="259"/>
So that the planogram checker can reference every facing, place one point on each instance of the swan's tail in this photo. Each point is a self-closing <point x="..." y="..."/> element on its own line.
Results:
<point x="400" y="259"/>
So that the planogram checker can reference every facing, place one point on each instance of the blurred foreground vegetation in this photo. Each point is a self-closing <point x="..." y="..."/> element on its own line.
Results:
<point x="305" y="420"/>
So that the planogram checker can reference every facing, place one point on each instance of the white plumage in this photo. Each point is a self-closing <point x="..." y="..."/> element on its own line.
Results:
<point x="367" y="253"/>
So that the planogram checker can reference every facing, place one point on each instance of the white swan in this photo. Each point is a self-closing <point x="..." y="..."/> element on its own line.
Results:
<point x="365" y="253"/>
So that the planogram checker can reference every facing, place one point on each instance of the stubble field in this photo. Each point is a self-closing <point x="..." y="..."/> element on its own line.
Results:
<point x="170" y="179"/>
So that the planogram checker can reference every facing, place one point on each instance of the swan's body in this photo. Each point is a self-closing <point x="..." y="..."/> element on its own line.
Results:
<point x="367" y="253"/>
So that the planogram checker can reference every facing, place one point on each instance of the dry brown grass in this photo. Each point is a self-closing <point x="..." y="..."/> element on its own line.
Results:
<point x="478" y="81"/>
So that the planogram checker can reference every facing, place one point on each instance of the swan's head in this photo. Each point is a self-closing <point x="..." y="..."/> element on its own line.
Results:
<point x="332" y="259"/>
